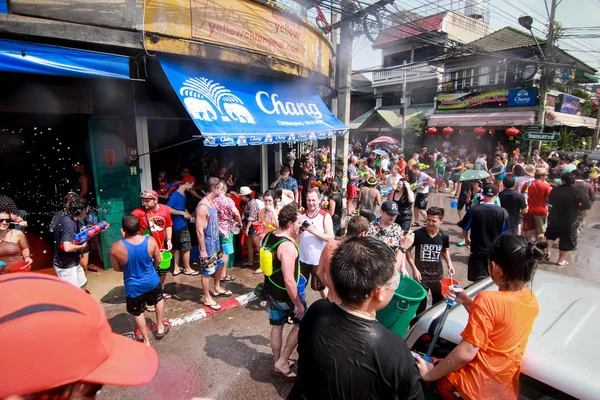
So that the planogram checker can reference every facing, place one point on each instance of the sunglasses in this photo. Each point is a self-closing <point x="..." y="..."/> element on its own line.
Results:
<point x="7" y="220"/>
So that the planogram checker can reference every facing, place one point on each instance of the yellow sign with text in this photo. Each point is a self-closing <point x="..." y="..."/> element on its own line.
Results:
<point x="248" y="25"/>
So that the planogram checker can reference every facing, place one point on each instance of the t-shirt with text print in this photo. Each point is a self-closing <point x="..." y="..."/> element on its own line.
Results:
<point x="428" y="254"/>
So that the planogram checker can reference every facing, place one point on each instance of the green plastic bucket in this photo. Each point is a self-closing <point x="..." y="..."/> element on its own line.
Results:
<point x="166" y="260"/>
<point x="396" y="316"/>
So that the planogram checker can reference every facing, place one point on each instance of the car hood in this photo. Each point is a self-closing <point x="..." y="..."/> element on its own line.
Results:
<point x="564" y="345"/>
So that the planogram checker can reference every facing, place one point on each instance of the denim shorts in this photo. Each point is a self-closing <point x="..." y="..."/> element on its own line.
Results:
<point x="280" y="311"/>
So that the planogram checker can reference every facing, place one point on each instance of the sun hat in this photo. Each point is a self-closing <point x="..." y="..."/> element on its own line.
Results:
<point x="149" y="194"/>
<point x="529" y="170"/>
<point x="245" y="191"/>
<point x="541" y="171"/>
<point x="372" y="181"/>
<point x="54" y="333"/>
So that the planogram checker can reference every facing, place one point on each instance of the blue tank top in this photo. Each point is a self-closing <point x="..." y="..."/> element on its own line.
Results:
<point x="211" y="232"/>
<point x="139" y="273"/>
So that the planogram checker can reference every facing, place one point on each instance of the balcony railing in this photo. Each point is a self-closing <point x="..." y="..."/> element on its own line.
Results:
<point x="412" y="71"/>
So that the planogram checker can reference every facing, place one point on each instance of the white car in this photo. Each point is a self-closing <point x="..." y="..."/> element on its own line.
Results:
<point x="560" y="361"/>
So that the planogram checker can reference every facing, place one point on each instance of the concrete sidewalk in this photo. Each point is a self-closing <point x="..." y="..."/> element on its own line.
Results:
<point x="185" y="306"/>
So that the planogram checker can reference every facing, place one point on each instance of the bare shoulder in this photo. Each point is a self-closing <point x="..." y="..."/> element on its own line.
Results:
<point x="19" y="235"/>
<point x="117" y="246"/>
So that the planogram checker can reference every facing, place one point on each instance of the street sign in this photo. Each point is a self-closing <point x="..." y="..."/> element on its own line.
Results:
<point x="541" y="136"/>
<point x="533" y="128"/>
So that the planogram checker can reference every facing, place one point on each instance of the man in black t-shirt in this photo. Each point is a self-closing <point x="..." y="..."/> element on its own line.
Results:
<point x="343" y="351"/>
<point x="514" y="203"/>
<point x="66" y="253"/>
<point x="431" y="243"/>
<point x="567" y="203"/>
<point x="485" y="222"/>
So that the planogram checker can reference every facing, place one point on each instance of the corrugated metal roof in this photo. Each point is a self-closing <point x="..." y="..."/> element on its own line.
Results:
<point x="431" y="23"/>
<point x="392" y="115"/>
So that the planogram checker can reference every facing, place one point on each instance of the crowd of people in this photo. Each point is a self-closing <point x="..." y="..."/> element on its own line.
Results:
<point x="301" y="237"/>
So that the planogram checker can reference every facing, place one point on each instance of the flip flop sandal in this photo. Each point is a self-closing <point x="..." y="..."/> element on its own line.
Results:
<point x="215" y="306"/>
<point x="179" y="273"/>
<point x="288" y="375"/>
<point x="195" y="273"/>
<point x="167" y="296"/>
<point x="258" y="271"/>
<point x="223" y="294"/>
<point x="562" y="264"/>
<point x="162" y="335"/>
<point x="228" y="278"/>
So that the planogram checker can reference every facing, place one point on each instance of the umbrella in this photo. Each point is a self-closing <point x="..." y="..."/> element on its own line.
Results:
<point x="380" y="153"/>
<point x="383" y="139"/>
<point x="473" y="175"/>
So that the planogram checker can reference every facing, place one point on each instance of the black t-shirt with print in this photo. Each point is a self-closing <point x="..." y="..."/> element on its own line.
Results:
<point x="343" y="356"/>
<point x="428" y="254"/>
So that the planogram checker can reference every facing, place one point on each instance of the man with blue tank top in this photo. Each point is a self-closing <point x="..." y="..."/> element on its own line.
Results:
<point x="137" y="256"/>
<point x="207" y="229"/>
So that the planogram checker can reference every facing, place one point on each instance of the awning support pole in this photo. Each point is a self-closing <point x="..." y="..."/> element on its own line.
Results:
<point x="264" y="168"/>
<point x="143" y="148"/>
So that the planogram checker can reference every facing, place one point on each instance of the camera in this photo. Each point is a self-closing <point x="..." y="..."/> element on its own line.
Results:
<point x="304" y="225"/>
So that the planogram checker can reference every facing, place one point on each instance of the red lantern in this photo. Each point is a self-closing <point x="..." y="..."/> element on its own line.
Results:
<point x="432" y="131"/>
<point x="479" y="131"/>
<point x="512" y="133"/>
<point x="447" y="131"/>
<point x="492" y="131"/>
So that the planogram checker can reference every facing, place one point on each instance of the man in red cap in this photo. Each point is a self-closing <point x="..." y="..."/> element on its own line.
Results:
<point x="155" y="220"/>
<point x="83" y="355"/>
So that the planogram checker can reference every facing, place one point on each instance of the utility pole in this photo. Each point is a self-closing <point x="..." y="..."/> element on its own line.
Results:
<point x="404" y="105"/>
<point x="334" y="101"/>
<point x="547" y="74"/>
<point x="344" y="71"/>
<point x="597" y="131"/>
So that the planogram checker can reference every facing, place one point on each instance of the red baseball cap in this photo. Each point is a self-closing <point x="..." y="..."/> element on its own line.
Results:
<point x="186" y="179"/>
<point x="54" y="333"/>
<point x="149" y="194"/>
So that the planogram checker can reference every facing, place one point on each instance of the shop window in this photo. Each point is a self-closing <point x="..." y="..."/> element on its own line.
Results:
<point x="498" y="74"/>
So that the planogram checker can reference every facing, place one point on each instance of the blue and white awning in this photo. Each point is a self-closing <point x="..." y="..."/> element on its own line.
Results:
<point x="34" y="58"/>
<point x="230" y="110"/>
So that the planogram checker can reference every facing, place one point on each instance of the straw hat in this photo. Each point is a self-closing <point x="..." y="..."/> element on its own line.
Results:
<point x="245" y="190"/>
<point x="372" y="181"/>
<point x="529" y="170"/>
<point x="541" y="171"/>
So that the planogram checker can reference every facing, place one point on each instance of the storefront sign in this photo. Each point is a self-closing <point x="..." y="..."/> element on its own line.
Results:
<point x="552" y="137"/>
<point x="248" y="25"/>
<point x="497" y="98"/>
<point x="569" y="104"/>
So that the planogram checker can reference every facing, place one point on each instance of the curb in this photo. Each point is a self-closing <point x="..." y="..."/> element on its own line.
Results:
<point x="203" y="313"/>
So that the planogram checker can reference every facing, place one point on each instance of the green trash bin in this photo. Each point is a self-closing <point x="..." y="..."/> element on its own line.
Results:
<point x="396" y="316"/>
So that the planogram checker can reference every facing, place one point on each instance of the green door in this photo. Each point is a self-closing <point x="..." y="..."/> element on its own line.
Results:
<point x="117" y="190"/>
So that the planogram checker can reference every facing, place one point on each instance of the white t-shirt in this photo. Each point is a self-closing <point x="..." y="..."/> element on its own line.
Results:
<point x="310" y="245"/>
<point x="385" y="164"/>
<point x="392" y="180"/>
<point x="423" y="183"/>
<point x="446" y="145"/>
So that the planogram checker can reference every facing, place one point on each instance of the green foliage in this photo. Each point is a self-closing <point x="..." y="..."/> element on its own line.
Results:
<point x="569" y="140"/>
<point x="414" y="132"/>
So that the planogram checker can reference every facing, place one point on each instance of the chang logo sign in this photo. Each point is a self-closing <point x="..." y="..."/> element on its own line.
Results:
<point x="203" y="98"/>
<point x="270" y="104"/>
<point x="522" y="97"/>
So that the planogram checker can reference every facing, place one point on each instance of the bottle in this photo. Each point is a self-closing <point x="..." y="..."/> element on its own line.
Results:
<point x="266" y="261"/>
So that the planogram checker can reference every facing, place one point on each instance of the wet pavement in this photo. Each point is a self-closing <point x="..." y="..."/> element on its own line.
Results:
<point x="227" y="356"/>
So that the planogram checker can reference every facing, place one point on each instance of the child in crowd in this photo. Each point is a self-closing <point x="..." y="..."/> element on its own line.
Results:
<point x="487" y="362"/>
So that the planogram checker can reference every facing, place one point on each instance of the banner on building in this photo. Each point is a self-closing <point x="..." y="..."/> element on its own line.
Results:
<point x="249" y="25"/>
<point x="569" y="104"/>
<point x="496" y="98"/>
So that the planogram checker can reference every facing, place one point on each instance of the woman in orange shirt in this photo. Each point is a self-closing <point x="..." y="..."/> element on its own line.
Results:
<point x="487" y="362"/>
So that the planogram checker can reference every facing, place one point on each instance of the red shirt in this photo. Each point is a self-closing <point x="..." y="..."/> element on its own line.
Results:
<point x="537" y="193"/>
<point x="159" y="220"/>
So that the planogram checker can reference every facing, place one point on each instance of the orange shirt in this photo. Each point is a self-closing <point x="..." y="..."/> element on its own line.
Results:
<point x="402" y="165"/>
<point x="499" y="324"/>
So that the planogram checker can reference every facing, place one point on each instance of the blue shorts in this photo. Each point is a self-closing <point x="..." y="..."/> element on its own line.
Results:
<point x="280" y="311"/>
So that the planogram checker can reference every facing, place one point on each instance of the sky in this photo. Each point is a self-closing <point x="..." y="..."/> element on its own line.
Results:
<point x="570" y="13"/>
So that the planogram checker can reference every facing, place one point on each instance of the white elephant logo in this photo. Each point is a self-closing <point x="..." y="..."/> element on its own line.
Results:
<point x="312" y="136"/>
<point x="241" y="141"/>
<point x="268" y="139"/>
<point x="238" y="113"/>
<point x="200" y="93"/>
<point x="200" y="109"/>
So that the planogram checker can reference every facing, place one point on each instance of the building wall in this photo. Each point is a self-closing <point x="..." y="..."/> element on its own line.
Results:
<point x="463" y="29"/>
